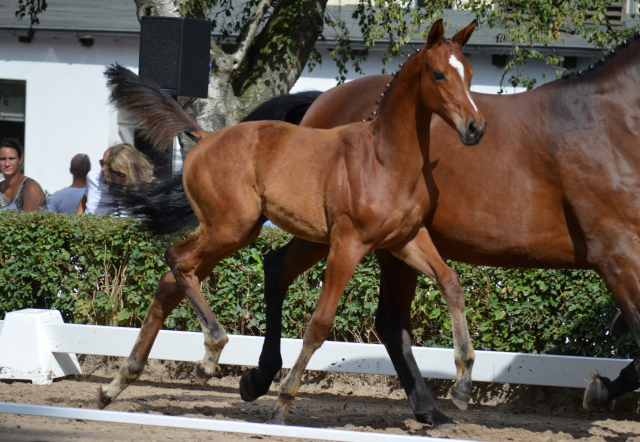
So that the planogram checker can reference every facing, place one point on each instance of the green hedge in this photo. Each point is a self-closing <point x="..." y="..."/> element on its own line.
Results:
<point x="97" y="270"/>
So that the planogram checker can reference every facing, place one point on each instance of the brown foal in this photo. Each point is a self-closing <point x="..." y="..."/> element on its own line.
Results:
<point x="358" y="188"/>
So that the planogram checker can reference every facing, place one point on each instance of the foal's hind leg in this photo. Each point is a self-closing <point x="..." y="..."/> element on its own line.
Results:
<point x="341" y="263"/>
<point x="168" y="295"/>
<point x="281" y="267"/>
<point x="393" y="322"/>
<point x="194" y="259"/>
<point x="420" y="253"/>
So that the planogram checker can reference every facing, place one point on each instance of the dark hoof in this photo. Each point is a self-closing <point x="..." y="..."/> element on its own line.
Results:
<point x="460" y="398"/>
<point x="596" y="395"/>
<point x="277" y="418"/>
<point x="246" y="390"/>
<point x="201" y="377"/>
<point x="437" y="419"/>
<point x="103" y="400"/>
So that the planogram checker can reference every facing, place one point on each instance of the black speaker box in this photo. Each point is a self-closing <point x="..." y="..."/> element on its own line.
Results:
<point x="174" y="52"/>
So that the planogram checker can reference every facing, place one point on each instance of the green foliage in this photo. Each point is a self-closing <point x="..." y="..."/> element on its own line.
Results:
<point x="524" y="24"/>
<point x="34" y="8"/>
<point x="98" y="270"/>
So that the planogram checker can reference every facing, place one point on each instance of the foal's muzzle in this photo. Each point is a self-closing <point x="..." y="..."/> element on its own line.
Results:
<point x="473" y="132"/>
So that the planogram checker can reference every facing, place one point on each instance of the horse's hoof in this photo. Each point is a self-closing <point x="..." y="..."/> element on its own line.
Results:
<point x="103" y="400"/>
<point x="441" y="421"/>
<point x="460" y="398"/>
<point x="596" y="395"/>
<point x="277" y="418"/>
<point x="436" y="418"/>
<point x="201" y="376"/>
<point x="246" y="390"/>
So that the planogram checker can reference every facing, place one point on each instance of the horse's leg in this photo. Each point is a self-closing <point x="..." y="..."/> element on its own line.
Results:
<point x="281" y="267"/>
<point x="191" y="261"/>
<point x="393" y="322"/>
<point x="420" y="253"/>
<point x="167" y="296"/>
<point x="343" y="258"/>
<point x="622" y="277"/>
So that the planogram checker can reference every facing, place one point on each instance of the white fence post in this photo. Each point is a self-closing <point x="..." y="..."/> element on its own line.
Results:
<point x="24" y="348"/>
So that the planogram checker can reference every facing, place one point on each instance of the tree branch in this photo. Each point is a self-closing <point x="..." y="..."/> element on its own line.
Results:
<point x="159" y="8"/>
<point x="252" y="29"/>
<point x="279" y="52"/>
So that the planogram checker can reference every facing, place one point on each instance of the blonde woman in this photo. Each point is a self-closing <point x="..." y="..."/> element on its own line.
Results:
<point x="127" y="165"/>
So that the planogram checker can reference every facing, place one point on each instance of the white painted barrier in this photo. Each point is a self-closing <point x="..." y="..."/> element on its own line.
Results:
<point x="64" y="339"/>
<point x="24" y="352"/>
<point x="305" y="433"/>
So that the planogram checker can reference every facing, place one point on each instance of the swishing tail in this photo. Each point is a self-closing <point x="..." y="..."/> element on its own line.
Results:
<point x="162" y="204"/>
<point x="159" y="117"/>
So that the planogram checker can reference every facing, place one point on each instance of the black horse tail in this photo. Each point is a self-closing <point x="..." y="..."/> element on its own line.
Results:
<point x="162" y="204"/>
<point x="159" y="117"/>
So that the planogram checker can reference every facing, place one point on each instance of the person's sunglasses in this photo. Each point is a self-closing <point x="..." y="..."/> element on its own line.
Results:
<point x="101" y="163"/>
<point x="119" y="174"/>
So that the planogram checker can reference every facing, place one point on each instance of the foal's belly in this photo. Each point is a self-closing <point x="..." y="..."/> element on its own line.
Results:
<point x="298" y="216"/>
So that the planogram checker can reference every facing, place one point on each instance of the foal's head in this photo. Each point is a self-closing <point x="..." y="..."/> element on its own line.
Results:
<point x="445" y="81"/>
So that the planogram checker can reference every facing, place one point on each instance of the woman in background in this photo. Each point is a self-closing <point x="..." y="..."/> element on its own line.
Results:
<point x="121" y="165"/>
<point x="126" y="165"/>
<point x="17" y="192"/>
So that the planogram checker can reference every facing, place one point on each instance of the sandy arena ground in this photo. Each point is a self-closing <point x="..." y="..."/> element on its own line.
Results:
<point x="352" y="402"/>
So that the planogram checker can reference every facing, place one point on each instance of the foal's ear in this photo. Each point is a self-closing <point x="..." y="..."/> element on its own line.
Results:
<point x="462" y="37"/>
<point x="436" y="34"/>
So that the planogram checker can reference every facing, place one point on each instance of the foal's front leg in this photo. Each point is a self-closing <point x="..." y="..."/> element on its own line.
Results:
<point x="420" y="253"/>
<point x="281" y="267"/>
<point x="344" y="256"/>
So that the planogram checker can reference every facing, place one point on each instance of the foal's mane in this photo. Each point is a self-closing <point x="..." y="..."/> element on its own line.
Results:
<point x="392" y="82"/>
<point x="604" y="61"/>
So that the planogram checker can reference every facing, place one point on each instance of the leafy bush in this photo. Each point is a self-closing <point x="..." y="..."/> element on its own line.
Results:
<point x="98" y="270"/>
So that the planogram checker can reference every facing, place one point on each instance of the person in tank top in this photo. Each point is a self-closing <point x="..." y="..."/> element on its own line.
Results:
<point x="17" y="192"/>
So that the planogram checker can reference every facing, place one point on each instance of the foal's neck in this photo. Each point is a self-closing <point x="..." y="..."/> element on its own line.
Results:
<point x="401" y="126"/>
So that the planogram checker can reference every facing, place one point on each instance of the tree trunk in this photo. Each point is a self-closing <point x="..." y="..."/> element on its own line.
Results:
<point x="262" y="66"/>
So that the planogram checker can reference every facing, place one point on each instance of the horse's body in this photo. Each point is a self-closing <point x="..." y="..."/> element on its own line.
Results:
<point x="500" y="205"/>
<point x="555" y="184"/>
<point x="356" y="188"/>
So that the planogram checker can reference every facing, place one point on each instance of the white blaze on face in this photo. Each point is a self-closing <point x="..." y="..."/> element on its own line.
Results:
<point x="458" y="66"/>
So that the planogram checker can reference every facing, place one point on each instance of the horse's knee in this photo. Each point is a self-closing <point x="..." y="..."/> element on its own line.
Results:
<point x="317" y="332"/>
<point x="452" y="289"/>
<point x="132" y="369"/>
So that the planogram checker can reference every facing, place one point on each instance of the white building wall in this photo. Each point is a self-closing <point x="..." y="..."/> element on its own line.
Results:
<point x="66" y="104"/>
<point x="66" y="100"/>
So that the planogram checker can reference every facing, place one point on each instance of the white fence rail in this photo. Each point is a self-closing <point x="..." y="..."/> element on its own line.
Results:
<point x="53" y="345"/>
<point x="122" y="417"/>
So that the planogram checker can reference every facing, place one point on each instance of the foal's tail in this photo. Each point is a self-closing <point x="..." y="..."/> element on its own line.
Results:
<point x="159" y="117"/>
<point x="162" y="204"/>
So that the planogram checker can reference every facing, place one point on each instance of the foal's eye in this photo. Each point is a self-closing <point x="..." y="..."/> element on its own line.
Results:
<point x="438" y="75"/>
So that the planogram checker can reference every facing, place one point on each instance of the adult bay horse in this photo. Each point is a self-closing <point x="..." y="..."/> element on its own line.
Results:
<point x="555" y="184"/>
<point x="357" y="188"/>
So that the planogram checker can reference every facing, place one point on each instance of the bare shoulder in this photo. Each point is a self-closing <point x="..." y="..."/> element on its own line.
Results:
<point x="32" y="192"/>
<point x="32" y="186"/>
